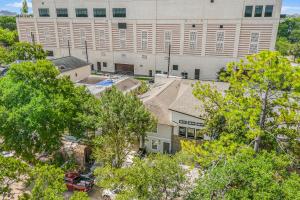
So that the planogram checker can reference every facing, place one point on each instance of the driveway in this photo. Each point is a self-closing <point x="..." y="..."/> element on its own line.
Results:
<point x="94" y="194"/>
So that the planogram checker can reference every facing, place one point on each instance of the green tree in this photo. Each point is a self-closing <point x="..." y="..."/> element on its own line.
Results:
<point x="24" y="9"/>
<point x="8" y="22"/>
<point x="79" y="196"/>
<point x="7" y="37"/>
<point x="4" y="54"/>
<point x="288" y="28"/>
<point x="284" y="46"/>
<point x="156" y="177"/>
<point x="11" y="171"/>
<point x="26" y="51"/>
<point x="123" y="120"/>
<point x="260" y="105"/>
<point x="245" y="176"/>
<point x="37" y="108"/>
<point x="295" y="51"/>
<point x="48" y="183"/>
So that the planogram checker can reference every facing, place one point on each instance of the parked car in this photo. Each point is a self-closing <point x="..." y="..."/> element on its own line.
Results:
<point x="8" y="154"/>
<point x="75" y="182"/>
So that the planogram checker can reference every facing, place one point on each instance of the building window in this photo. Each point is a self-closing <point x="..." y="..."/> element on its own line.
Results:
<point x="46" y="34"/>
<point x="119" y="12"/>
<point x="220" y="42"/>
<point x="62" y="12"/>
<point x="154" y="144"/>
<point x="193" y="40"/>
<point x="82" y="36"/>
<point x="65" y="38"/>
<point x="122" y="26"/>
<point x="175" y="67"/>
<point x="50" y="53"/>
<point x="248" y="11"/>
<point x="44" y="12"/>
<point x="122" y="34"/>
<point x="254" y="43"/>
<point x="99" y="12"/>
<point x="104" y="64"/>
<point x="182" y="131"/>
<point x="199" y="134"/>
<point x="269" y="11"/>
<point x="81" y="12"/>
<point x="144" y="40"/>
<point x="101" y="35"/>
<point x="158" y="72"/>
<point x="191" y="133"/>
<point x="168" y="40"/>
<point x="258" y="11"/>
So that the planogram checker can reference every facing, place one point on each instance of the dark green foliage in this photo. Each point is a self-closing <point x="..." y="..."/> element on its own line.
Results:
<point x="37" y="108"/>
<point x="246" y="176"/>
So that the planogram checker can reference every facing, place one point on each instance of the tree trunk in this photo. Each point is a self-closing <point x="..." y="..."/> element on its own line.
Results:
<point x="142" y="142"/>
<point x="262" y="119"/>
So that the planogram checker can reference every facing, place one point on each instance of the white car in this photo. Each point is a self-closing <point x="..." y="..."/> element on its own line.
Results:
<point x="7" y="154"/>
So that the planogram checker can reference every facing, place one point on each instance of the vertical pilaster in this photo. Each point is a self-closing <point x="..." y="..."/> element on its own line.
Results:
<point x="110" y="36"/>
<point x="154" y="38"/>
<point x="274" y="36"/>
<point x="72" y="35"/>
<point x="134" y="38"/>
<point x="237" y="39"/>
<point x="56" y="33"/>
<point x="93" y="34"/>
<point x="204" y="38"/>
<point x="37" y="38"/>
<point x="181" y="37"/>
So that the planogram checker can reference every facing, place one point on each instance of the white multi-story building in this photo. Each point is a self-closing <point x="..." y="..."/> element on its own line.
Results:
<point x="135" y="35"/>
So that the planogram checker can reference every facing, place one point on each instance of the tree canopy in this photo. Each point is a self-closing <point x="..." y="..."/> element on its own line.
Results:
<point x="155" y="177"/>
<point x="123" y="120"/>
<point x="245" y="176"/>
<point x="37" y="107"/>
<point x="8" y="22"/>
<point x="11" y="171"/>
<point x="288" y="39"/>
<point x="261" y="105"/>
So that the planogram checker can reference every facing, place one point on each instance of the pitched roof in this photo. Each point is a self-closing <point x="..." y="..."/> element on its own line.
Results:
<point x="176" y="95"/>
<point x="188" y="104"/>
<point x="158" y="103"/>
<point x="69" y="63"/>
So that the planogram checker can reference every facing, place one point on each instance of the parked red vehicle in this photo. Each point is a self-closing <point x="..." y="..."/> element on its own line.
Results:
<point x="74" y="181"/>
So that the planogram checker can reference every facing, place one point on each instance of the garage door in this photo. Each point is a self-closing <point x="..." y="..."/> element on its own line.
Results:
<point x="124" y="69"/>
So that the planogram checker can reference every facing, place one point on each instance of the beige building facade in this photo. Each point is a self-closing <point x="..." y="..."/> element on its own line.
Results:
<point x="136" y="36"/>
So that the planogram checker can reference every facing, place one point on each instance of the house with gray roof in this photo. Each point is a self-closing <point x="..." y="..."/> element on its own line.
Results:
<point x="179" y="113"/>
<point x="73" y="67"/>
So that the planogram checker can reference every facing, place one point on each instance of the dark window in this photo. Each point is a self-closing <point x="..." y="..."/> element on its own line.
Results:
<point x="99" y="12"/>
<point x="81" y="12"/>
<point x="104" y="64"/>
<point x="99" y="66"/>
<point x="191" y="133"/>
<point x="182" y="131"/>
<point x="122" y="25"/>
<point x="175" y="67"/>
<point x="62" y="12"/>
<point x="157" y="72"/>
<point x="184" y="75"/>
<point x="192" y="123"/>
<point x="50" y="53"/>
<point x="44" y="12"/>
<point x="150" y="73"/>
<point x="182" y="122"/>
<point x="212" y="1"/>
<point x="119" y="12"/>
<point x="269" y="11"/>
<point x="200" y="124"/>
<point x="248" y="11"/>
<point x="258" y="11"/>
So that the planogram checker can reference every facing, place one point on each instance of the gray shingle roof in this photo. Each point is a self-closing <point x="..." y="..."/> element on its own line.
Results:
<point x="69" y="63"/>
